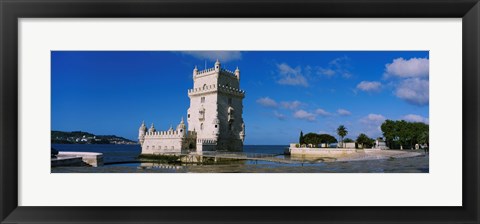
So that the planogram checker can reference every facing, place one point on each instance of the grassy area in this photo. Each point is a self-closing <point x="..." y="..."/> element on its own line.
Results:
<point x="177" y="159"/>
<point x="160" y="158"/>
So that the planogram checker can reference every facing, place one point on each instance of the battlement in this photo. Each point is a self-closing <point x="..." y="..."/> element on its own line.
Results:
<point x="231" y="90"/>
<point x="164" y="134"/>
<point x="208" y="70"/>
<point x="211" y="71"/>
<point x="208" y="88"/>
<point x="215" y="88"/>
<point x="227" y="72"/>
<point x="206" y="141"/>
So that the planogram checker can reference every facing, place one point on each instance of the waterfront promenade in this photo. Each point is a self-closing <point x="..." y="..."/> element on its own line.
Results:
<point x="355" y="155"/>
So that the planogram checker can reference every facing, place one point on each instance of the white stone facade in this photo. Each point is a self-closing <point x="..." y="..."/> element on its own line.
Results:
<point x="214" y="118"/>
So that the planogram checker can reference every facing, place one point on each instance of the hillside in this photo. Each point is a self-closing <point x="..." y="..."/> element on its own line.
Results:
<point x="80" y="137"/>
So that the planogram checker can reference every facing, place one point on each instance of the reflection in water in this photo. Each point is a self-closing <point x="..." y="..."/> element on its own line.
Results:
<point x="122" y="159"/>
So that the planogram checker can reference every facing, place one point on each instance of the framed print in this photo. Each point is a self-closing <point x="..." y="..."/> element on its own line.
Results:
<point x="224" y="111"/>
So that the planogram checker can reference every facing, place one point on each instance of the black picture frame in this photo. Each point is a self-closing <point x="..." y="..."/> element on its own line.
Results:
<point x="11" y="11"/>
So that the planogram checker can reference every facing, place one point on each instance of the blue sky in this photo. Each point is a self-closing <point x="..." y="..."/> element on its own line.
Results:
<point x="112" y="92"/>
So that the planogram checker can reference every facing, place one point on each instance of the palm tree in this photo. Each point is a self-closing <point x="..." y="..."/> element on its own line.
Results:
<point x="342" y="132"/>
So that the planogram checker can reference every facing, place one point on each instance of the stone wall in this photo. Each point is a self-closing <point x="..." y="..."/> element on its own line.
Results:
<point x="320" y="152"/>
<point x="91" y="158"/>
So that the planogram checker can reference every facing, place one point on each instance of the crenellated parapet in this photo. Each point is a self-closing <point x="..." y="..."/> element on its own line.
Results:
<point x="205" y="89"/>
<point x="214" y="88"/>
<point x="232" y="91"/>
<point x="164" y="134"/>
<point x="206" y="141"/>
<point x="227" y="72"/>
<point x="210" y="71"/>
<point x="207" y="71"/>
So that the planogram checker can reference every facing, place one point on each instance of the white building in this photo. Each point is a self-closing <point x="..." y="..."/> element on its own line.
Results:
<point x="214" y="118"/>
<point x="380" y="144"/>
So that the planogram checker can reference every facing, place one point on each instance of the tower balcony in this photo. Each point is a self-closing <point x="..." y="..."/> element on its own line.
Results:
<point x="217" y="88"/>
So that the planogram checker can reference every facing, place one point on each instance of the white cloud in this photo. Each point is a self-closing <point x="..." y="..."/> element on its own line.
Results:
<point x="292" y="105"/>
<point x="279" y="115"/>
<point x="415" y="118"/>
<point x="291" y="76"/>
<point x="414" y="91"/>
<point x="341" y="66"/>
<point x="336" y="66"/>
<point x="267" y="102"/>
<point x="223" y="56"/>
<point x="369" y="86"/>
<point x="371" y="125"/>
<point x="304" y="115"/>
<point x="343" y="112"/>
<point x="322" y="112"/>
<point x="373" y="119"/>
<point x="413" y="67"/>
<point x="325" y="71"/>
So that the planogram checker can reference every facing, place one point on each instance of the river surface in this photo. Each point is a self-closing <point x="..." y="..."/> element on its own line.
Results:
<point x="123" y="159"/>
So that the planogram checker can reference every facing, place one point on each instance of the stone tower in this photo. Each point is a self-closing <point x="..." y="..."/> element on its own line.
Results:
<point x="216" y="107"/>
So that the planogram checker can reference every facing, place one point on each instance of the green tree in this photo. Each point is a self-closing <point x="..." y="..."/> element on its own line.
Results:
<point x="423" y="138"/>
<point x="327" y="139"/>
<point x="403" y="134"/>
<point x="388" y="129"/>
<point x="342" y="132"/>
<point x="317" y="139"/>
<point x="301" y="140"/>
<point x="348" y="140"/>
<point x="365" y="141"/>
<point x="312" y="138"/>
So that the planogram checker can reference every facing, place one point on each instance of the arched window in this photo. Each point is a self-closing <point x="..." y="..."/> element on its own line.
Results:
<point x="231" y="114"/>
<point x="201" y="126"/>
<point x="201" y="114"/>
<point x="204" y="86"/>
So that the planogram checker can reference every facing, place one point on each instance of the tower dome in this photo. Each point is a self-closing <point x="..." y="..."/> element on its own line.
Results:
<point x="237" y="73"/>
<point x="143" y="127"/>
<point x="195" y="71"/>
<point x="217" y="65"/>
<point x="152" y="128"/>
<point x="181" y="125"/>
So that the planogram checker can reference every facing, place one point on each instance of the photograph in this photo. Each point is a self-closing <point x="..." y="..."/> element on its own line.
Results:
<point x="240" y="111"/>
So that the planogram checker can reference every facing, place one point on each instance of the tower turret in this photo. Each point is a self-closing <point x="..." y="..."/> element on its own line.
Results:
<point x="152" y="128"/>
<point x="141" y="133"/>
<point x="181" y="128"/>
<point x="217" y="66"/>
<point x="195" y="72"/>
<point x="237" y="73"/>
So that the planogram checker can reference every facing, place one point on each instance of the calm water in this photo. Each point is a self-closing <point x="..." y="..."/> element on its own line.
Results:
<point x="122" y="159"/>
